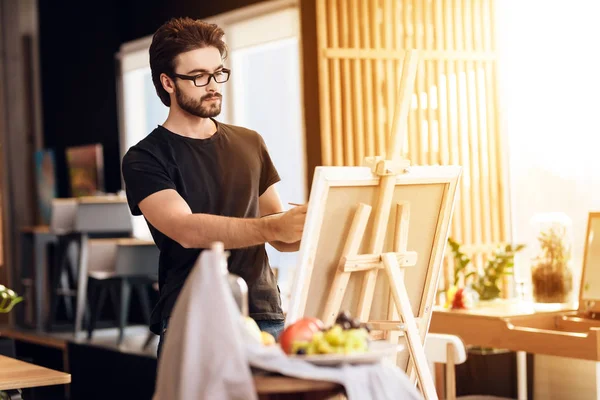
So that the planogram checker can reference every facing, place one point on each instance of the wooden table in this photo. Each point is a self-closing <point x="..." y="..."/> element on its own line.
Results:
<point x="489" y="326"/>
<point x="276" y="387"/>
<point x="15" y="374"/>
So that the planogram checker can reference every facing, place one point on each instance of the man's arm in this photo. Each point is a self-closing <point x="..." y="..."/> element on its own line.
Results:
<point x="269" y="203"/>
<point x="168" y="212"/>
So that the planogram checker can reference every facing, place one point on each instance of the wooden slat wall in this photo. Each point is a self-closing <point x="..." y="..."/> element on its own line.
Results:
<point x="454" y="117"/>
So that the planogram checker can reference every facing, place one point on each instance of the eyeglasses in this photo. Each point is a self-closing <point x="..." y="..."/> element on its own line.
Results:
<point x="221" y="76"/>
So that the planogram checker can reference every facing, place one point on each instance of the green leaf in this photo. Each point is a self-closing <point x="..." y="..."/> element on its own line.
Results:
<point x="470" y="274"/>
<point x="13" y="302"/>
<point x="9" y="299"/>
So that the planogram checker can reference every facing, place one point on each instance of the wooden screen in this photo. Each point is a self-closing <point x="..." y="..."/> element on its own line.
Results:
<point x="454" y="117"/>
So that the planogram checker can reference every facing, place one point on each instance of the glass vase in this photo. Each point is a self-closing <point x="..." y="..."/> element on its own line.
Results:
<point x="551" y="271"/>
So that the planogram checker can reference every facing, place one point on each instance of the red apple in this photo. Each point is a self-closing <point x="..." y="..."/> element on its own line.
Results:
<point x="458" y="303"/>
<point x="301" y="330"/>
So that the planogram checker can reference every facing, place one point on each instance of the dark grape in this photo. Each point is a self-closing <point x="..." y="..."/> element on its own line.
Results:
<point x="346" y="325"/>
<point x="344" y="316"/>
<point x="355" y="323"/>
<point x="301" y="351"/>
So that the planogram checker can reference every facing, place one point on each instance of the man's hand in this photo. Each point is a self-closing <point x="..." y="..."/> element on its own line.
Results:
<point x="287" y="227"/>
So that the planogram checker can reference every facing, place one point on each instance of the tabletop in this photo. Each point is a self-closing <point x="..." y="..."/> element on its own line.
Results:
<point x="503" y="309"/>
<point x="284" y="387"/>
<point x="16" y="374"/>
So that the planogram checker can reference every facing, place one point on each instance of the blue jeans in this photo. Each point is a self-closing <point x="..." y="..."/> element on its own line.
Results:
<point x="274" y="327"/>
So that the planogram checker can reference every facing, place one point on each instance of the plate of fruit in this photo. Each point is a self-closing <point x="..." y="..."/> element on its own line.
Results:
<point x="347" y="341"/>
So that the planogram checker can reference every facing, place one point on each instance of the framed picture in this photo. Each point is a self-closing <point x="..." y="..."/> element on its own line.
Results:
<point x="45" y="175"/>
<point x="86" y="170"/>
<point x="589" y="291"/>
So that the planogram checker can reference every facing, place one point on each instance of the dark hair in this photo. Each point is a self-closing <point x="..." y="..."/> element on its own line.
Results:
<point x="176" y="36"/>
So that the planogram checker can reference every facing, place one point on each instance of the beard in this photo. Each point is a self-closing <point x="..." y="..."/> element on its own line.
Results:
<point x="202" y="108"/>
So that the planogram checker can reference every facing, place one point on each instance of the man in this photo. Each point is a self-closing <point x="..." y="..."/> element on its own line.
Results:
<point x="197" y="181"/>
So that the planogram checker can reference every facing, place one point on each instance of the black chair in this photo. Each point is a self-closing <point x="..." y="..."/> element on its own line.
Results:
<point x="75" y="222"/>
<point x="118" y="290"/>
<point x="118" y="267"/>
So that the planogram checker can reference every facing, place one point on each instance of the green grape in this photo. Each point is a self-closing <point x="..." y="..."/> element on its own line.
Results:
<point x="358" y="334"/>
<point x="336" y="340"/>
<point x="324" y="347"/>
<point x="298" y="344"/>
<point x="355" y="341"/>
<point x="361" y="346"/>
<point x="334" y="335"/>
<point x="313" y="348"/>
<point x="348" y="349"/>
<point x="317" y="336"/>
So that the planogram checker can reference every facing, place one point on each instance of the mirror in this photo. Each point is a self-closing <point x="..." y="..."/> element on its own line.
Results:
<point x="590" y="284"/>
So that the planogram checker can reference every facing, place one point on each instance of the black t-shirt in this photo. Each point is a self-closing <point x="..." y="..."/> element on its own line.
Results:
<point x="222" y="175"/>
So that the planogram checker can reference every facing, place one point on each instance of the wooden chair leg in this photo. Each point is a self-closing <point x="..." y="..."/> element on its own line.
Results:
<point x="55" y="281"/>
<point x="439" y="370"/>
<point x="68" y="300"/>
<point x="450" y="373"/>
<point x="82" y="281"/>
<point x="99" y="297"/>
<point x="142" y="290"/>
<point x="124" y="309"/>
<point x="93" y="295"/>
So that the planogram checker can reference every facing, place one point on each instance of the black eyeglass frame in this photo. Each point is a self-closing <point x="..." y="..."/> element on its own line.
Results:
<point x="210" y="76"/>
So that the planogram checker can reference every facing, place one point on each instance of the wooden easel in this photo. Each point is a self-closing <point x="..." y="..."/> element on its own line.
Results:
<point x="400" y="312"/>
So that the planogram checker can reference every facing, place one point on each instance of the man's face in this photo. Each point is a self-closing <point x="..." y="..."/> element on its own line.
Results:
<point x="205" y="101"/>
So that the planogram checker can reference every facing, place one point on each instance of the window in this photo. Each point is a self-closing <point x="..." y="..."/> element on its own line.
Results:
<point x="550" y="79"/>
<point x="265" y="95"/>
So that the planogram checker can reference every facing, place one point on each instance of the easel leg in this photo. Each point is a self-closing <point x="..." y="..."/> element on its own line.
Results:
<point x="340" y="281"/>
<point x="382" y="213"/>
<point x="400" y="245"/>
<point x="413" y="339"/>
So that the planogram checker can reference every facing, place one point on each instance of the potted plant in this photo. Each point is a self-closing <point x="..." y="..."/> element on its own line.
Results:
<point x="8" y="299"/>
<point x="486" y="283"/>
